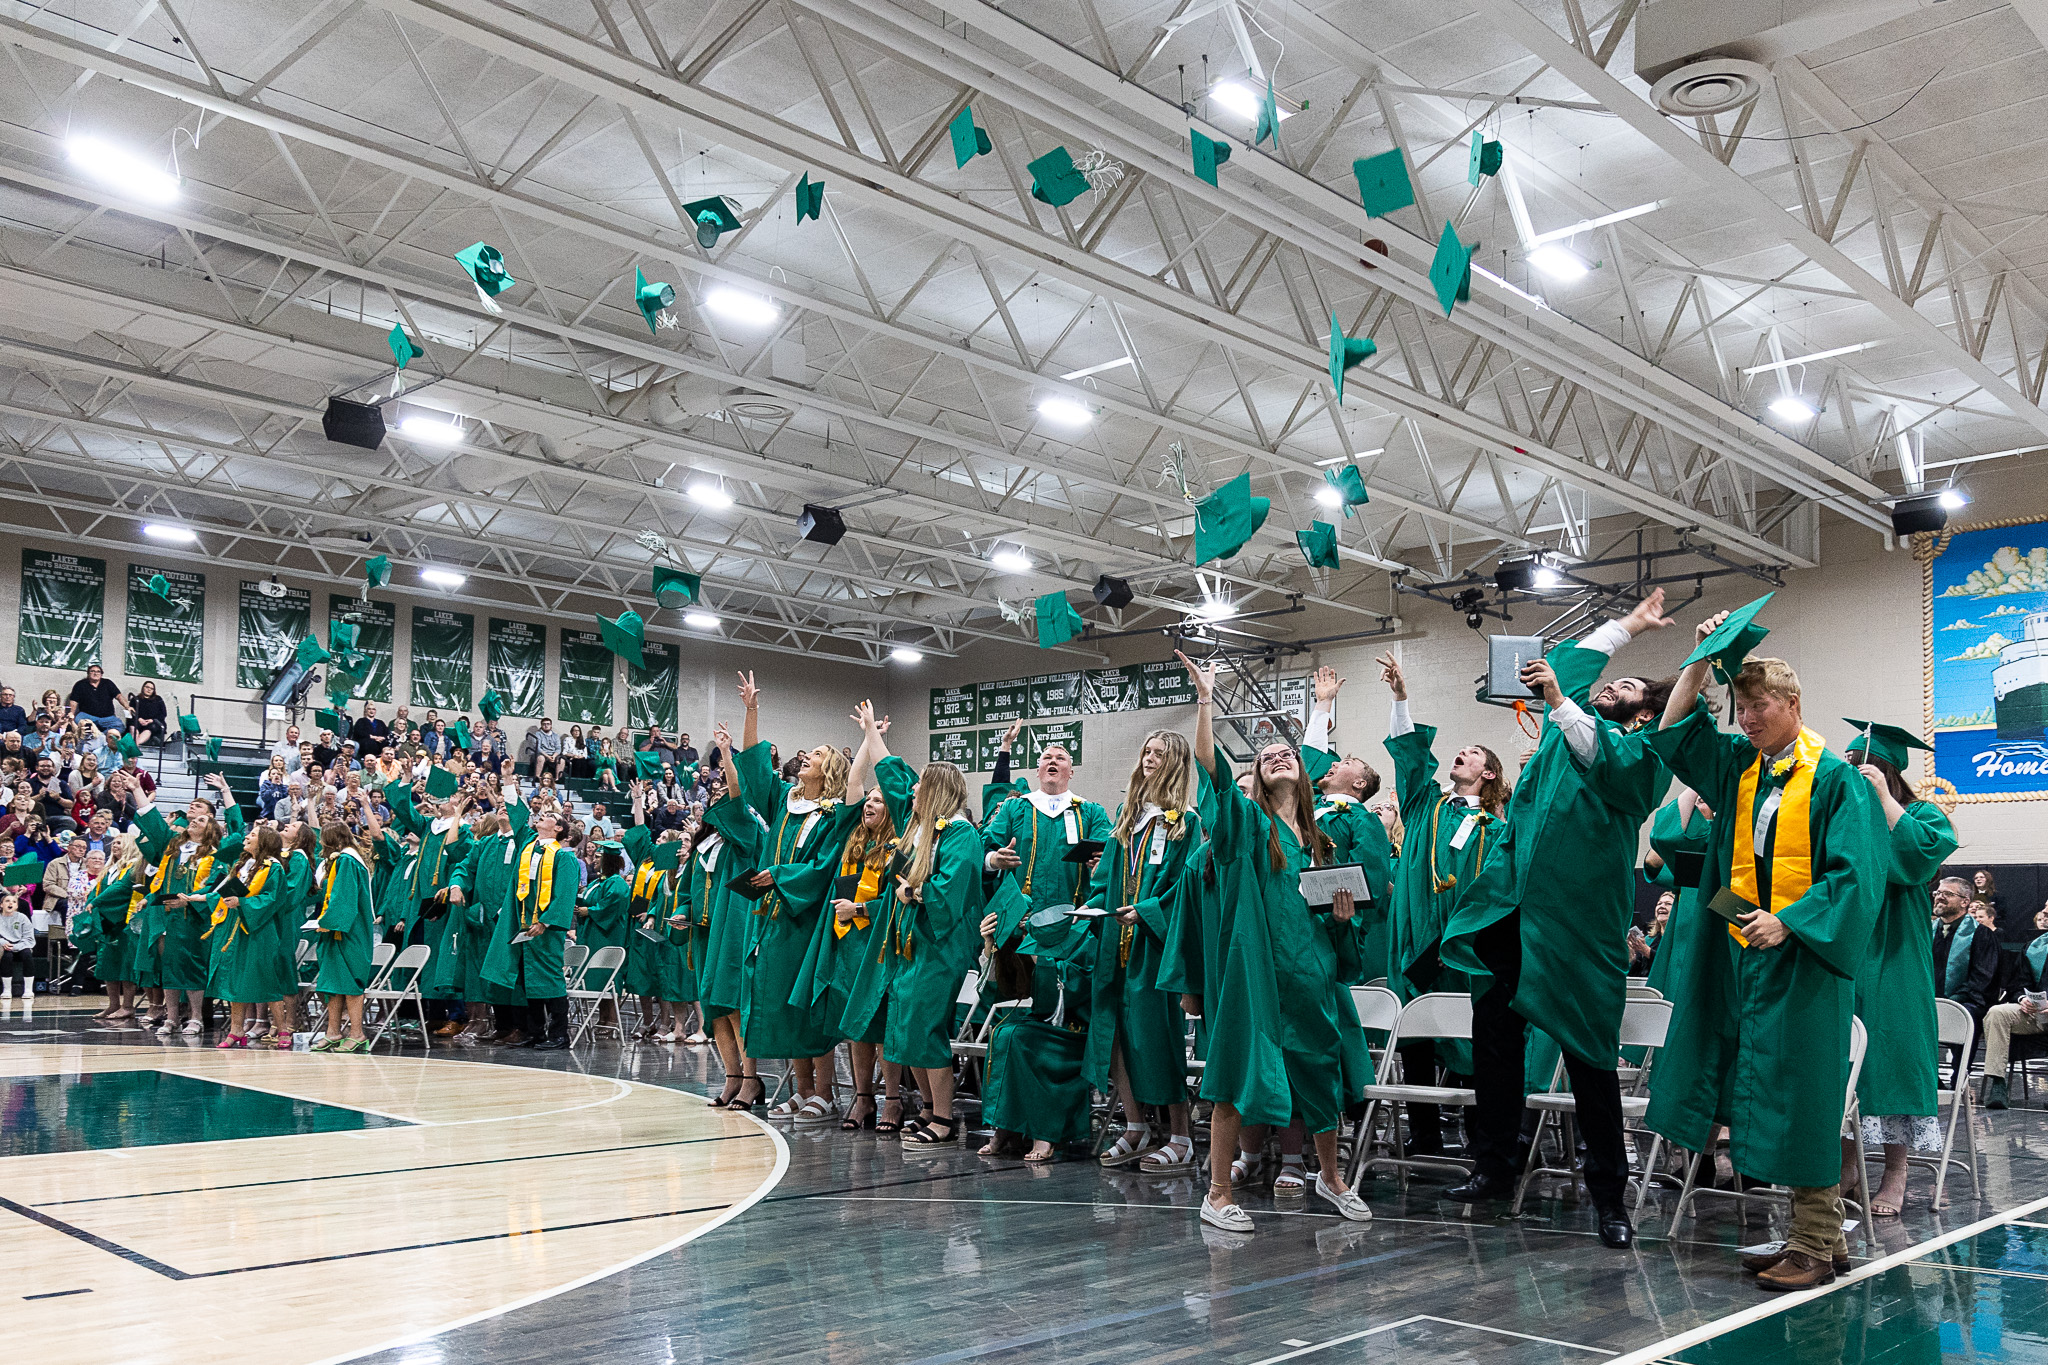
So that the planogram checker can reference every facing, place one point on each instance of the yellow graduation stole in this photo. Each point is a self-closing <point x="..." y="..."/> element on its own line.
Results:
<point x="333" y="876"/>
<point x="221" y="912"/>
<point x="645" y="879"/>
<point x="1792" y="850"/>
<point x="547" y="881"/>
<point x="201" y="867"/>
<point x="865" y="890"/>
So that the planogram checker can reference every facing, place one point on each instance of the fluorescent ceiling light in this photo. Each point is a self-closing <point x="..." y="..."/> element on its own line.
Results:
<point x="123" y="170"/>
<point x="1243" y="101"/>
<point x="1559" y="262"/>
<point x="904" y="654"/>
<point x="431" y="430"/>
<point x="710" y="495"/>
<point x="1589" y="223"/>
<point x="1791" y="408"/>
<point x="1809" y="359"/>
<point x="442" y="578"/>
<point x="1065" y="411"/>
<point x="179" y="535"/>
<point x="1216" y="609"/>
<point x="1118" y="363"/>
<point x="1340" y="459"/>
<point x="700" y="620"/>
<point x="735" y="306"/>
<point x="1329" y="497"/>
<point x="1953" y="500"/>
<point x="1010" y="561"/>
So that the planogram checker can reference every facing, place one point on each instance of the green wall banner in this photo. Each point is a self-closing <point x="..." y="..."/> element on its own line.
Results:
<point x="999" y="703"/>
<point x="443" y="652"/>
<point x="1033" y="741"/>
<point x="952" y="708"/>
<point x="166" y="640"/>
<point x="1112" y="689"/>
<point x="1167" y="684"/>
<point x="652" y="688"/>
<point x="268" y="630"/>
<point x="1055" y="694"/>
<point x="376" y="626"/>
<point x="584" y="689"/>
<point x="986" y="743"/>
<point x="954" y="746"/>
<point x="516" y="664"/>
<point x="63" y="610"/>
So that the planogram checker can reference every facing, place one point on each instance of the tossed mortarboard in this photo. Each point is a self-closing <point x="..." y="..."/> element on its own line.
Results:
<point x="1269" y="119"/>
<point x="1350" y="486"/>
<point x="213" y="748"/>
<point x="646" y="764"/>
<point x="1451" y="271"/>
<point x="1891" y="743"/>
<point x="1058" y="622"/>
<point x="464" y="741"/>
<point x="189" y="725"/>
<point x="1227" y="518"/>
<point x="624" y="636"/>
<point x="995" y="793"/>
<point x="1484" y="160"/>
<point x="311" y="652"/>
<point x="650" y="299"/>
<point x="159" y="586"/>
<point x="376" y="573"/>
<point x="23" y="871"/>
<point x="1383" y="183"/>
<point x="441" y="783"/>
<point x="341" y="636"/>
<point x="126" y="746"/>
<point x="969" y="141"/>
<point x="1731" y="641"/>
<point x="485" y="266"/>
<point x="491" y="704"/>
<point x="1054" y="180"/>
<point x="331" y="720"/>
<point x="403" y="349"/>
<point x="713" y="218"/>
<point x="1318" y="545"/>
<point x="673" y="588"/>
<point x="1208" y="153"/>
<point x="1346" y="352"/>
<point x="810" y="198"/>
<point x="667" y="855"/>
<point x="341" y="688"/>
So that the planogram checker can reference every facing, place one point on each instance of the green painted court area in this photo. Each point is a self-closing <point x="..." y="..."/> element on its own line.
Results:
<point x="147" y="1108"/>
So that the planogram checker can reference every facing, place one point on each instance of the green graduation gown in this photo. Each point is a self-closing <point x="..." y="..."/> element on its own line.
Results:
<point x="249" y="966"/>
<point x="1667" y="837"/>
<point x="442" y="850"/>
<point x="486" y="877"/>
<point x="833" y="963"/>
<point x="1127" y="1007"/>
<point x="1894" y="988"/>
<point x="725" y="919"/>
<point x="1566" y="861"/>
<point x="1045" y="878"/>
<point x="534" y="968"/>
<point x="601" y="920"/>
<point x="116" y="891"/>
<point x="651" y="963"/>
<point x="1759" y="1037"/>
<point x="348" y="925"/>
<point x="183" y="958"/>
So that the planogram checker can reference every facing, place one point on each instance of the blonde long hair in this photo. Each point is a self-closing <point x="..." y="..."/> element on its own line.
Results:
<point x="833" y="770"/>
<point x="1170" y="788"/>
<point x="941" y="795"/>
<point x="864" y="843"/>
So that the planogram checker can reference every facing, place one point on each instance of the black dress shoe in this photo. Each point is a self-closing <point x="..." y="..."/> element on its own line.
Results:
<point x="1615" y="1229"/>
<point x="552" y="1045"/>
<point x="1479" y="1189"/>
<point x="534" y="1041"/>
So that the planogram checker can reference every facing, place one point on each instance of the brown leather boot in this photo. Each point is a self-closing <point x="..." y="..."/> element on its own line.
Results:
<point x="449" y="1029"/>
<point x="1796" y="1271"/>
<point x="510" y="1038"/>
<point x="1756" y="1265"/>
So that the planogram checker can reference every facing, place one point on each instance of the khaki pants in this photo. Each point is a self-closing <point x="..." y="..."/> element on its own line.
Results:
<point x="2000" y="1024"/>
<point x="1817" y="1222"/>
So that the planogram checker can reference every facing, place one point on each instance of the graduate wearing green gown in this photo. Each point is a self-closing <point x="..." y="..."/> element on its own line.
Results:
<point x="1760" y="1035"/>
<point x="346" y="910"/>
<point x="526" y="948"/>
<point x="186" y="865"/>
<point x="720" y="933"/>
<point x="652" y="964"/>
<point x="480" y="889"/>
<point x="1027" y="840"/>
<point x="248" y="967"/>
<point x="1681" y="826"/>
<point x="423" y="912"/>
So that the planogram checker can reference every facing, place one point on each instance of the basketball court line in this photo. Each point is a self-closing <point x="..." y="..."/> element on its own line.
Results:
<point x="624" y="1088"/>
<point x="1348" y="1337"/>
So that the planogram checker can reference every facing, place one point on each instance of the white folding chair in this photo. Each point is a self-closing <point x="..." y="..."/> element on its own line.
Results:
<point x="1643" y="1024"/>
<point x="1643" y="992"/>
<point x="575" y="957"/>
<point x="1438" y="1014"/>
<point x="1852" y="1129"/>
<point x="1956" y="1028"/>
<point x="1378" y="1008"/>
<point x="597" y="982"/>
<point x="398" y="983"/>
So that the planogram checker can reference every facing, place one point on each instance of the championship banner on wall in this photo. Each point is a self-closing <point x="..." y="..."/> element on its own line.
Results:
<point x="63" y="610"/>
<point x="653" y="687"/>
<point x="376" y="626"/>
<point x="268" y="628"/>
<point x="443" y="659"/>
<point x="584" y="687"/>
<point x="516" y="664"/>
<point x="1985" y="636"/>
<point x="166" y="640"/>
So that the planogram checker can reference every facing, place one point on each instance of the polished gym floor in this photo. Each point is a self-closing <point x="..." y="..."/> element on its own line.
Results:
<point x="169" y="1202"/>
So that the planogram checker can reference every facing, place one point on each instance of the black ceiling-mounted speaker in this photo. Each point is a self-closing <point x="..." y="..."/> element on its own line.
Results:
<point x="822" y="524"/>
<point x="1112" y="592"/>
<point x="353" y="424"/>
<point x="1921" y="512"/>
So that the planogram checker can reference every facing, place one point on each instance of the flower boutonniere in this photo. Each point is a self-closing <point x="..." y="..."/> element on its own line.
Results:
<point x="941" y="824"/>
<point x="1172" y="817"/>
<point x="1782" y="770"/>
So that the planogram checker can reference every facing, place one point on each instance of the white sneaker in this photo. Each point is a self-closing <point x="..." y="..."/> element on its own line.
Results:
<point x="1349" y="1205"/>
<point x="192" y="1027"/>
<point x="1228" y="1217"/>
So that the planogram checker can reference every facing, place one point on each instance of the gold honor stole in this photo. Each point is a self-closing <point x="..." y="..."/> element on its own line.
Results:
<point x="200" y="868"/>
<point x="1792" y="850"/>
<point x="869" y="886"/>
<point x="645" y="881"/>
<point x="547" y="882"/>
<point x="221" y="912"/>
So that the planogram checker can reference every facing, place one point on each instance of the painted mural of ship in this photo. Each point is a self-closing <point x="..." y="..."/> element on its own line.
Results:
<point x="2019" y="685"/>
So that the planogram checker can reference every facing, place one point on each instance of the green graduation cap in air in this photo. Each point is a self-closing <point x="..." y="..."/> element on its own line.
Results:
<point x="1484" y="160"/>
<point x="713" y="218"/>
<point x="442" y="783"/>
<point x="969" y="141"/>
<point x="491" y="705"/>
<point x="341" y="636"/>
<point x="189" y="725"/>
<point x="1731" y="641"/>
<point x="403" y="349"/>
<point x="1054" y="180"/>
<point x="1227" y="518"/>
<point x="1208" y="153"/>
<point x="1891" y="743"/>
<point x="646" y="764"/>
<point x="333" y="721"/>
<point x="810" y="198"/>
<point x="1269" y="118"/>
<point x="126" y="746"/>
<point x="459" y="733"/>
<point x="1451" y="272"/>
<point x="160" y="587"/>
<point x="995" y="793"/>
<point x="1058" y="622"/>
<point x="312" y="652"/>
<point x="623" y="636"/>
<point x="485" y="266"/>
<point x="1318" y="545"/>
<point x="213" y="748"/>
<point x="376" y="573"/>
<point x="667" y="855"/>
<point x="1383" y="183"/>
<point x="1350" y="486"/>
<point x="673" y="588"/>
<point x="23" y="871"/>
<point x="650" y="299"/>
<point x="1345" y="352"/>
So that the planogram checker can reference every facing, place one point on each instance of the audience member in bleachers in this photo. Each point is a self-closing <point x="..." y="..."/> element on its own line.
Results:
<point x="606" y="764"/>
<point x="368" y="732"/>
<point x="13" y="719"/>
<point x="96" y="698"/>
<point x="1984" y="887"/>
<point x="288" y="748"/>
<point x="576" y="754"/>
<point x="17" y="947"/>
<point x="149" y="717"/>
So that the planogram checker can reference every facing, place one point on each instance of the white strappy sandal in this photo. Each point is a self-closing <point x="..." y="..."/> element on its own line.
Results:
<point x="1126" y="1150"/>
<point x="1175" y="1157"/>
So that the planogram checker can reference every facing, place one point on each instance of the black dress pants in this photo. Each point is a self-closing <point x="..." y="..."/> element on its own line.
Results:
<point x="1499" y="1047"/>
<point x="548" y="1019"/>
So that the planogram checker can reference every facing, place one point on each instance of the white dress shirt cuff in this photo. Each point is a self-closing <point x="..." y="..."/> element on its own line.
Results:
<point x="1400" y="723"/>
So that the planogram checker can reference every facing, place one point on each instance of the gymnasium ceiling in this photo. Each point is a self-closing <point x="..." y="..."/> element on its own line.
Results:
<point x="168" y="362"/>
